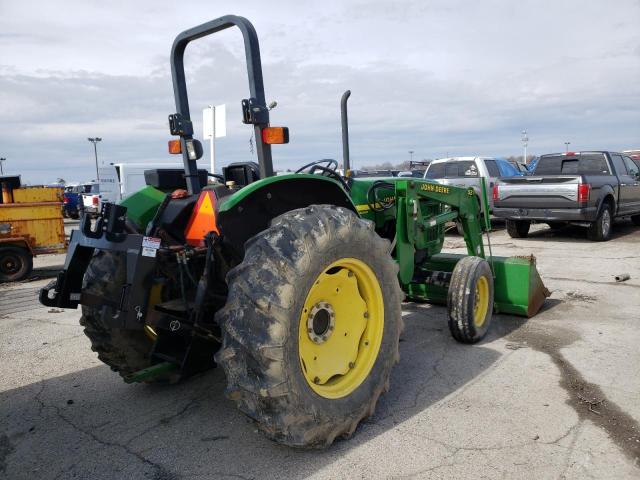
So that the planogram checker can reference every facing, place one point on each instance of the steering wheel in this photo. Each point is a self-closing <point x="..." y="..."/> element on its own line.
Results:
<point x="327" y="167"/>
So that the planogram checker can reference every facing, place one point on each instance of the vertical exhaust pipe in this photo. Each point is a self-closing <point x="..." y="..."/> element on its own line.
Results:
<point x="346" y="163"/>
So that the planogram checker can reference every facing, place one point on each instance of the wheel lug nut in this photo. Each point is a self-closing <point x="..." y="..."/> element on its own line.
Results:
<point x="366" y="314"/>
<point x="351" y="364"/>
<point x="316" y="380"/>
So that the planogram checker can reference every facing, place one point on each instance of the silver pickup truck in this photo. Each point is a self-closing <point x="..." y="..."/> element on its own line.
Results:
<point x="589" y="189"/>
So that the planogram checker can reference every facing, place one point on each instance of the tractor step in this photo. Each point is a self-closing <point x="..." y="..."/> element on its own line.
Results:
<point x="151" y="372"/>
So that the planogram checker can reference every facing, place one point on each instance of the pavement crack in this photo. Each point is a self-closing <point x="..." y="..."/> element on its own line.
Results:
<point x="167" y="419"/>
<point x="160" y="472"/>
<point x="583" y="395"/>
<point x="593" y="282"/>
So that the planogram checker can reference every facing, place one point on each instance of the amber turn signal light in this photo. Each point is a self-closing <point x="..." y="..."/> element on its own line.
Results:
<point x="175" y="146"/>
<point x="275" y="135"/>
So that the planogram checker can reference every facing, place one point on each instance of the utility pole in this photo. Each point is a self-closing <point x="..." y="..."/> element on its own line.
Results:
<point x="95" y="141"/>
<point x="2" y="160"/>
<point x="525" y="141"/>
<point x="566" y="147"/>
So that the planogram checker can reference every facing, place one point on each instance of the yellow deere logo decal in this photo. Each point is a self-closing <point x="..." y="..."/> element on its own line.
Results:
<point x="430" y="187"/>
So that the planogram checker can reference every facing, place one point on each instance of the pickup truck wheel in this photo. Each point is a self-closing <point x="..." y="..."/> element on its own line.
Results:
<point x="600" y="230"/>
<point x="636" y="220"/>
<point x="518" y="228"/>
<point x="15" y="264"/>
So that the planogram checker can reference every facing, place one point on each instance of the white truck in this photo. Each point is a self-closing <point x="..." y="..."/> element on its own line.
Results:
<point x="117" y="181"/>
<point x="467" y="171"/>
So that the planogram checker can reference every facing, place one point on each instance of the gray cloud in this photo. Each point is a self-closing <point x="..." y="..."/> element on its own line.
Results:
<point x="445" y="77"/>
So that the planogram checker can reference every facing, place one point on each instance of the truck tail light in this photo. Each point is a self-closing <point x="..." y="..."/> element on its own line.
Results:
<point x="496" y="193"/>
<point x="95" y="201"/>
<point x="65" y="200"/>
<point x="584" y="189"/>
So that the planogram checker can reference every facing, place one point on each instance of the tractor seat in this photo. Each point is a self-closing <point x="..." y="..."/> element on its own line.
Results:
<point x="242" y="173"/>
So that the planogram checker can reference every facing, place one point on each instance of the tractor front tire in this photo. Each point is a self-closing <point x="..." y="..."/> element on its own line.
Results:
<point x="518" y="228"/>
<point x="311" y="326"/>
<point x="470" y="300"/>
<point x="15" y="263"/>
<point x="125" y="351"/>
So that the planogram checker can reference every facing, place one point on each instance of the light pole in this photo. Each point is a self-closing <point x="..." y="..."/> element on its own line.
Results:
<point x="2" y="160"/>
<point x="525" y="142"/>
<point x="411" y="155"/>
<point x="566" y="147"/>
<point x="95" y="141"/>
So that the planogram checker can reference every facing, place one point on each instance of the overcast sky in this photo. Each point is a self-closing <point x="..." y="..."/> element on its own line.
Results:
<point x="436" y="77"/>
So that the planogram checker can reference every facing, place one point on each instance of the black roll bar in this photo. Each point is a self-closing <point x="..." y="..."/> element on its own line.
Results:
<point x="256" y="89"/>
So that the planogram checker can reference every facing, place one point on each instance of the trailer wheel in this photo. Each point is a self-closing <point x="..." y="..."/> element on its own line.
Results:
<point x="125" y="351"/>
<point x="470" y="300"/>
<point x="311" y="326"/>
<point x="518" y="228"/>
<point x="15" y="263"/>
<point x="600" y="230"/>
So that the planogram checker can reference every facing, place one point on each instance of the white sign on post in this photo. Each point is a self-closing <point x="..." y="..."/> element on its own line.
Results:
<point x="214" y="125"/>
<point x="220" y="121"/>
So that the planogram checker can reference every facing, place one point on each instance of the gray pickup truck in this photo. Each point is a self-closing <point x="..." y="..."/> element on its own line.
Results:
<point x="589" y="189"/>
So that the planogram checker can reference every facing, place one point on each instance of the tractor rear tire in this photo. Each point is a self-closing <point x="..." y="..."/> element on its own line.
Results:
<point x="125" y="351"/>
<point x="15" y="264"/>
<point x="470" y="300"/>
<point x="518" y="228"/>
<point x="268" y="325"/>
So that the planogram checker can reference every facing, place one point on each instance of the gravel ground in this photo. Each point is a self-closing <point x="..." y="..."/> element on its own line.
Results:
<point x="556" y="396"/>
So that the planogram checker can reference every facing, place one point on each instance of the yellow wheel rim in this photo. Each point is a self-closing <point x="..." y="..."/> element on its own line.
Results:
<point x="481" y="304"/>
<point x="341" y="326"/>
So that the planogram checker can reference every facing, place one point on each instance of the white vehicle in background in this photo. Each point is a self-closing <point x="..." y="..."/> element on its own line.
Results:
<point x="466" y="172"/>
<point x="117" y="182"/>
<point x="90" y="197"/>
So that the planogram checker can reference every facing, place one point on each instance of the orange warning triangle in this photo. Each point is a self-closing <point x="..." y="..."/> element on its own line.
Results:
<point x="203" y="220"/>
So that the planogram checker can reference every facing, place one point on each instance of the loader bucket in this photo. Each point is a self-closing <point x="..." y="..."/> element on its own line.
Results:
<point x="518" y="288"/>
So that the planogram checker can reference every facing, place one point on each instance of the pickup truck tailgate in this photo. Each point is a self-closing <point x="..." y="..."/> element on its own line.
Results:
<point x="560" y="191"/>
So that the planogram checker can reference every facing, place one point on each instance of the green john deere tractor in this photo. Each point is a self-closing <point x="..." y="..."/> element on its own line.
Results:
<point x="292" y="283"/>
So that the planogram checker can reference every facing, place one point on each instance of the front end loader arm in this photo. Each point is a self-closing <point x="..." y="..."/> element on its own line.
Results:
<point x="417" y="229"/>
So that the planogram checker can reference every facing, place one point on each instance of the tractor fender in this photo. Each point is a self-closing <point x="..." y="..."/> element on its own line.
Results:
<point x="251" y="209"/>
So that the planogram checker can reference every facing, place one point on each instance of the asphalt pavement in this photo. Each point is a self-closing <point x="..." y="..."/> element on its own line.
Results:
<point x="556" y="396"/>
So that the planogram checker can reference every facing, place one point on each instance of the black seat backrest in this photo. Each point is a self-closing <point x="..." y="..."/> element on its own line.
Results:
<point x="171" y="178"/>
<point x="242" y="173"/>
